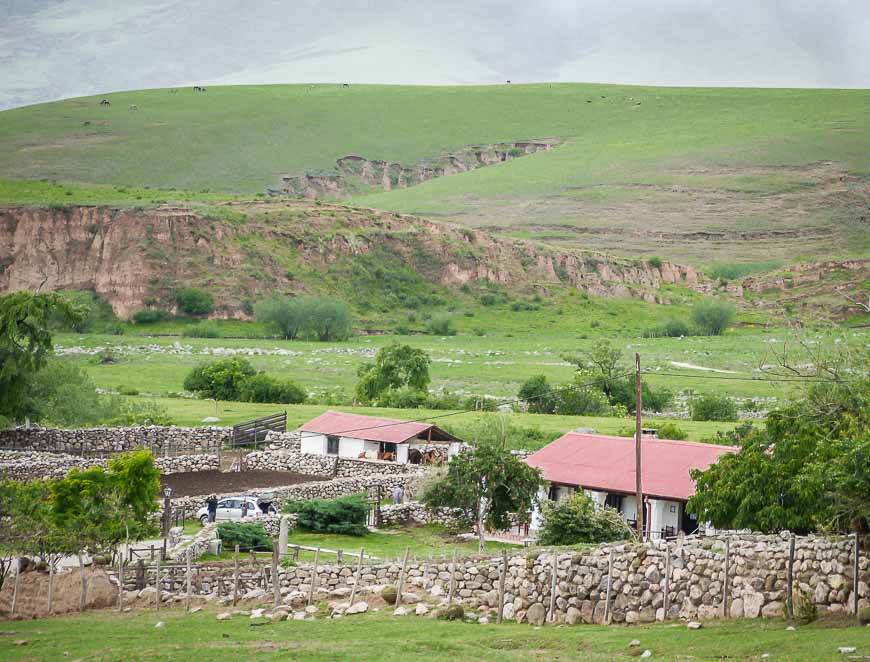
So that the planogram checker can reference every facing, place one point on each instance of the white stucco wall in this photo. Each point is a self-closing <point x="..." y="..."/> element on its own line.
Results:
<point x="349" y="447"/>
<point x="663" y="513"/>
<point x="597" y="497"/>
<point x="313" y="443"/>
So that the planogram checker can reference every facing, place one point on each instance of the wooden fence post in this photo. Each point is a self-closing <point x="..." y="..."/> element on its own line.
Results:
<point x="501" y="579"/>
<point x="609" y="582"/>
<point x="236" y="576"/>
<point x="725" y="611"/>
<point x="667" y="595"/>
<point x="358" y="575"/>
<point x="189" y="577"/>
<point x="157" y="583"/>
<point x="83" y="597"/>
<point x="276" y="583"/>
<point x="339" y="556"/>
<point x="789" y="580"/>
<point x="551" y="614"/>
<point x="401" y="585"/>
<point x="313" y="576"/>
<point x="452" y="579"/>
<point x="855" y="576"/>
<point x="295" y="553"/>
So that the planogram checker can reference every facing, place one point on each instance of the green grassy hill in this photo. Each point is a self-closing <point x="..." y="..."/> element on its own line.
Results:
<point x="695" y="175"/>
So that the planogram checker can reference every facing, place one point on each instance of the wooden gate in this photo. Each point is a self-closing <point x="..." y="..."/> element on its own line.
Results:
<point x="375" y="496"/>
<point x="250" y="433"/>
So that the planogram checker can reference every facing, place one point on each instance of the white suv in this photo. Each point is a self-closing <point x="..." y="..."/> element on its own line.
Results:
<point x="229" y="509"/>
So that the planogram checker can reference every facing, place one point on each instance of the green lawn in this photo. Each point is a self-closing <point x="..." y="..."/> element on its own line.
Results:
<point x="112" y="636"/>
<point x="677" y="160"/>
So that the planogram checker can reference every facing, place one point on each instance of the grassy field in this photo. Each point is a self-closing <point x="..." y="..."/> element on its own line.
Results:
<point x="377" y="636"/>
<point x="642" y="170"/>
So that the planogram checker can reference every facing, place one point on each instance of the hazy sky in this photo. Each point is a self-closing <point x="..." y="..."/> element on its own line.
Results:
<point x="59" y="48"/>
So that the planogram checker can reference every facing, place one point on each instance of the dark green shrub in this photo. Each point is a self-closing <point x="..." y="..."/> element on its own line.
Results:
<point x="623" y="393"/>
<point x="247" y="535"/>
<point x="664" y="430"/>
<point x="201" y="330"/>
<point x="713" y="317"/>
<point x="488" y="299"/>
<point x="390" y="595"/>
<point x="674" y="329"/>
<point x="149" y="316"/>
<point x="453" y="613"/>
<point x="194" y="301"/>
<point x="403" y="398"/>
<point x="713" y="408"/>
<point x="441" y="326"/>
<point x="220" y="379"/>
<point x="345" y="515"/>
<point x="578" y="520"/>
<point x="587" y="401"/>
<point x="265" y="388"/>
<point x="538" y="395"/>
<point x="655" y="262"/>
<point x="805" y="609"/>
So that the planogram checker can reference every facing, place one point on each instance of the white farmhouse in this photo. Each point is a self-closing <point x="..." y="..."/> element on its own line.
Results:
<point x="375" y="438"/>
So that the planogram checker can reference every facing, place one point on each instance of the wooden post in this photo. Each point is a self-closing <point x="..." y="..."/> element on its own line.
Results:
<point x="83" y="598"/>
<point x="339" y="556"/>
<point x="789" y="579"/>
<point x="157" y="583"/>
<point x="551" y="614"/>
<point x="15" y="585"/>
<point x="501" y="579"/>
<point x="51" y="586"/>
<point x="313" y="576"/>
<point x="189" y="578"/>
<point x="401" y="585"/>
<point x="276" y="583"/>
<point x="236" y="576"/>
<point x="120" y="582"/>
<point x="667" y="596"/>
<point x="295" y="553"/>
<point x="609" y="582"/>
<point x="855" y="576"/>
<point x="452" y="579"/>
<point x="358" y="575"/>
<point x="638" y="407"/>
<point x="725" y="611"/>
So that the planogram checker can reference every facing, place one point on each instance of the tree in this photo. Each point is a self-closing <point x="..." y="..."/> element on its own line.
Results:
<point x="283" y="316"/>
<point x="221" y="380"/>
<point x="578" y="519"/>
<point x="713" y="408"/>
<point x="713" y="317"/>
<point x="486" y="483"/>
<point x="307" y="317"/>
<point x="328" y="320"/>
<point x="395" y="367"/>
<point x="265" y="388"/>
<point x="801" y="472"/>
<point x="194" y="301"/>
<point x="25" y="341"/>
<point x="538" y="395"/>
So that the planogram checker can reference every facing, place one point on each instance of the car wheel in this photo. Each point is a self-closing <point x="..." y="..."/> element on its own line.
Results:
<point x="203" y="520"/>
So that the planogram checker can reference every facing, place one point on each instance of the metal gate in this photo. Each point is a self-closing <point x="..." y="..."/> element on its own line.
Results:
<point x="375" y="496"/>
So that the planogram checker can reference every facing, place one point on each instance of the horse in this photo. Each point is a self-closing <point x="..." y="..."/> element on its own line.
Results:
<point x="198" y="88"/>
<point x="105" y="102"/>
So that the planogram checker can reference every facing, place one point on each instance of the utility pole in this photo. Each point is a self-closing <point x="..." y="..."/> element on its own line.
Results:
<point x="637" y="450"/>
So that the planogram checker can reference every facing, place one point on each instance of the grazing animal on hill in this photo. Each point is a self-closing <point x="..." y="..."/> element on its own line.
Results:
<point x="198" y="88"/>
<point x="105" y="102"/>
<point x="86" y="123"/>
<point x="345" y="84"/>
<point x="133" y="106"/>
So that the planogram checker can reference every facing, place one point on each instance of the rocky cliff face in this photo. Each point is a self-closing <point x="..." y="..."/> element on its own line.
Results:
<point x="135" y="258"/>
<point x="355" y="174"/>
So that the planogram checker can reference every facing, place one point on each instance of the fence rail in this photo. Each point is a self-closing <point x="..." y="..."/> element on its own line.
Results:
<point x="250" y="433"/>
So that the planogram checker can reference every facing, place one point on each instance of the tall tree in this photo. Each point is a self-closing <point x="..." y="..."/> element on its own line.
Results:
<point x="487" y="483"/>
<point x="25" y="341"/>
<point x="395" y="367"/>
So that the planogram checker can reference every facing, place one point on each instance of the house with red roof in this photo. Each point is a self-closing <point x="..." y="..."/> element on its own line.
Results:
<point x="604" y="468"/>
<point x="375" y="438"/>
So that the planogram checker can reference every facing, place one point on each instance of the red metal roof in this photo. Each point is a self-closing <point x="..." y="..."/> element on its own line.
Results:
<point x="372" y="428"/>
<point x="603" y="463"/>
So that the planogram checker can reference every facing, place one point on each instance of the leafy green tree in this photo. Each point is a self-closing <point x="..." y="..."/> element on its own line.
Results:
<point x="283" y="316"/>
<point x="441" y="326"/>
<point x="194" y="301"/>
<point x="713" y="408"/>
<point x="538" y="395"/>
<point x="713" y="317"/>
<point x="395" y="367"/>
<point x="305" y="317"/>
<point x="486" y="483"/>
<point x="579" y="399"/>
<point x="578" y="520"/>
<point x="266" y="388"/>
<point x="25" y="342"/>
<point x="221" y="379"/>
<point x="328" y="320"/>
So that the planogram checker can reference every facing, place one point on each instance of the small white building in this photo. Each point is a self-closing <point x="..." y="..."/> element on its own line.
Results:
<point x="375" y="438"/>
<point x="604" y="468"/>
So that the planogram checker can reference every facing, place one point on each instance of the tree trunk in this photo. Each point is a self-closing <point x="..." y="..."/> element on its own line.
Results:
<point x="84" y="594"/>
<point x="481" y="530"/>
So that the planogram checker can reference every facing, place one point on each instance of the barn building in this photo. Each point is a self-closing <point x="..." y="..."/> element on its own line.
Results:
<point x="372" y="437"/>
<point x="604" y="468"/>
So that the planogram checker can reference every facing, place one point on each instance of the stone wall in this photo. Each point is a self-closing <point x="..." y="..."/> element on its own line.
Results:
<point x="290" y="441"/>
<point x="414" y="512"/>
<point x="94" y="441"/>
<point x="642" y="580"/>
<point x="32" y="465"/>
<point x="324" y="465"/>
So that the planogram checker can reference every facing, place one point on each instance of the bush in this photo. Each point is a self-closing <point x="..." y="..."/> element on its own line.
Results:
<point x="655" y="262"/>
<point x="713" y="408"/>
<point x="674" y="329"/>
<point x="664" y="430"/>
<point x="713" y="317"/>
<point x="345" y="515"/>
<point x="308" y="317"/>
<point x="221" y="379"/>
<point x="578" y="520"/>
<point x="403" y="398"/>
<point x="441" y="326"/>
<point x="623" y="393"/>
<point x="247" y="535"/>
<point x="98" y="316"/>
<point x="149" y="316"/>
<point x="488" y="299"/>
<point x="805" y="609"/>
<point x="201" y="330"/>
<point x="452" y="613"/>
<point x="194" y="301"/>
<point x="390" y="595"/>
<point x="265" y="388"/>
<point x="538" y="395"/>
<point x="587" y="401"/>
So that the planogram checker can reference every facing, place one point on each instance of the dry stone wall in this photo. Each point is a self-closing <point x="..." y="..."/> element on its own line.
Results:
<point x="95" y="441"/>
<point x="325" y="465"/>
<point x="33" y="465"/>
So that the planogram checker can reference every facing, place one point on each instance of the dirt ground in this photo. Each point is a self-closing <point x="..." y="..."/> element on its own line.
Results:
<point x="32" y="600"/>
<point x="207" y="482"/>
